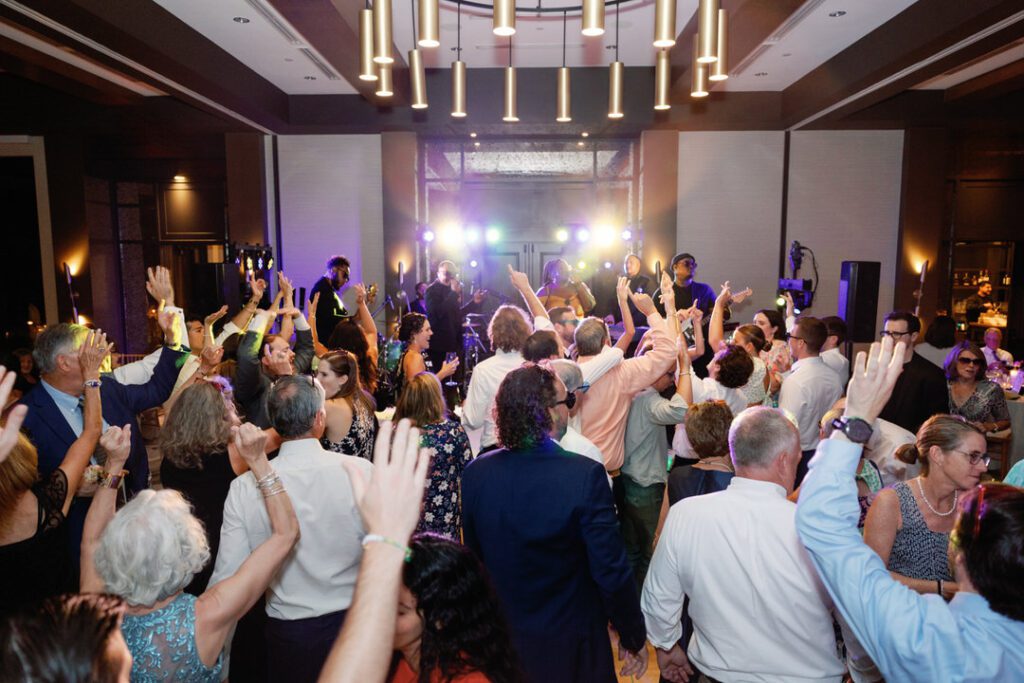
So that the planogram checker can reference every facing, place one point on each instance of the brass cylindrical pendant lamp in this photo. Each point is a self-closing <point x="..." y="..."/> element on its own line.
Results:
<point x="564" y="109"/>
<point x="593" y="17"/>
<point x="458" y="89"/>
<point x="367" y="72"/>
<point x="417" y="79"/>
<point x="384" y="87"/>
<point x="615" y="72"/>
<point x="382" y="32"/>
<point x="699" y="73"/>
<point x="707" y="29"/>
<point x="510" y="95"/>
<point x="429" y="24"/>
<point x="664" y="23"/>
<point x="720" y="69"/>
<point x="504" y="17"/>
<point x="662" y="81"/>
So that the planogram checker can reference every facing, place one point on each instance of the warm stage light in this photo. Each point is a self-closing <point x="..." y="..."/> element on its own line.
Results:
<point x="627" y="234"/>
<point x="451" y="235"/>
<point x="473" y="263"/>
<point x="472" y="236"/>
<point x="492" y="235"/>
<point x="582" y="235"/>
<point x="428" y="235"/>
<point x="604" y="235"/>
<point x="562" y="235"/>
<point x="608" y="265"/>
<point x="582" y="265"/>
<point x="82" y="320"/>
<point x="180" y="179"/>
<point x="781" y="301"/>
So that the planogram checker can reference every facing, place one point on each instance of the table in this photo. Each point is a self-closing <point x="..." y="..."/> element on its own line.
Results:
<point x="1017" y="425"/>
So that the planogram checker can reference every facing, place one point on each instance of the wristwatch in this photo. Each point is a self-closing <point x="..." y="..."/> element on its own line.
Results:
<point x="855" y="429"/>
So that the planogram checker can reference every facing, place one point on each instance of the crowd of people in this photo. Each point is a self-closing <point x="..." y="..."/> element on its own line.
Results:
<point x="745" y="500"/>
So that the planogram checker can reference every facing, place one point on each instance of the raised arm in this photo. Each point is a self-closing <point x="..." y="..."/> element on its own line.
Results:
<point x="522" y="284"/>
<point x="319" y="350"/>
<point x="90" y="357"/>
<point x="245" y="314"/>
<point x="684" y="380"/>
<point x="390" y="507"/>
<point x="285" y="306"/>
<point x="668" y="299"/>
<point x="15" y="418"/>
<point x="716" y="327"/>
<point x="117" y="443"/>
<point x="247" y="373"/>
<point x="639" y="373"/>
<point x="366" y="322"/>
<point x="628" y="328"/>
<point x="160" y="287"/>
<point x="220" y="607"/>
<point x="697" y="319"/>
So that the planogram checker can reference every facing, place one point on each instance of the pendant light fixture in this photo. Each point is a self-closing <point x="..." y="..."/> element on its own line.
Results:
<point x="417" y="77"/>
<point x="699" y="72"/>
<point x="504" y="17"/>
<point x="382" y="32"/>
<point x="510" y="89"/>
<point x="615" y="72"/>
<point x="564" y="109"/>
<point x="662" y="81"/>
<point x="707" y="29"/>
<point x="720" y="69"/>
<point x="367" y="72"/>
<point x="429" y="24"/>
<point x="459" y="72"/>
<point x="593" y="17"/>
<point x="384" y="87"/>
<point x="664" y="23"/>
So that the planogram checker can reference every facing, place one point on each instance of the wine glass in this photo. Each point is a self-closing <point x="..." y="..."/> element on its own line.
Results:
<point x="450" y="357"/>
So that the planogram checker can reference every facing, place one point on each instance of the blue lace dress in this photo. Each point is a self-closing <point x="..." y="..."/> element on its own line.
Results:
<point x="449" y="453"/>
<point x="163" y="645"/>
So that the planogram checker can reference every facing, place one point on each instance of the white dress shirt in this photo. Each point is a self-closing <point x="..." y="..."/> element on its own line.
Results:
<point x="141" y="371"/>
<point x="707" y="389"/>
<point x="886" y="437"/>
<point x="477" y="409"/>
<point x="759" y="611"/>
<point x="574" y="442"/>
<point x="835" y="360"/>
<point x="1001" y="355"/>
<point x="808" y="393"/>
<point x="319" y="575"/>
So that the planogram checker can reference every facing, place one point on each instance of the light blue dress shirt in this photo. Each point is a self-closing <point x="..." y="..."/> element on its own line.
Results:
<point x="910" y="637"/>
<point x="68" y="407"/>
<point x="1015" y="477"/>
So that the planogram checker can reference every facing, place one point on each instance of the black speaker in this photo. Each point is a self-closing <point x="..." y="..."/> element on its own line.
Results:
<point x="858" y="298"/>
<point x="213" y="284"/>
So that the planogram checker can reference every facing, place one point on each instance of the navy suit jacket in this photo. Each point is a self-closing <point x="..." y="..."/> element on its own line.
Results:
<point x="49" y="431"/>
<point x="543" y="522"/>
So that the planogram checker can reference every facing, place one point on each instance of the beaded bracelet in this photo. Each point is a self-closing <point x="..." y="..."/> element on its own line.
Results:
<point x="377" y="538"/>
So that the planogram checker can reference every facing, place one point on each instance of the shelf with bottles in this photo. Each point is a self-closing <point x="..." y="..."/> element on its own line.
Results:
<point x="964" y="278"/>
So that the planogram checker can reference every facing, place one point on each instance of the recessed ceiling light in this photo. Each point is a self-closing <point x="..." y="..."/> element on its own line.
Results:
<point x="585" y="134"/>
<point x="476" y="144"/>
<point x="580" y="143"/>
<point x="472" y="135"/>
<point x="761" y="73"/>
<point x="837" y="13"/>
<point x="240" y="20"/>
<point x="310" y="78"/>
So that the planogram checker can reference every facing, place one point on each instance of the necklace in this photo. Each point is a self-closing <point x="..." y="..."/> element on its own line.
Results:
<point x="929" y="505"/>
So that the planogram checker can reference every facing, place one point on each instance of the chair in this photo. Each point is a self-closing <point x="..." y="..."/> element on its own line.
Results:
<point x="998" y="445"/>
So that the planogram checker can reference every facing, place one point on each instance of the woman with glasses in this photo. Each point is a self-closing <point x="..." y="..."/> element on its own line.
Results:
<point x="908" y="524"/>
<point x="971" y="395"/>
<point x="422" y="402"/>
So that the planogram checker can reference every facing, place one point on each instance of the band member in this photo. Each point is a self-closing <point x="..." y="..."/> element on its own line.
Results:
<point x="419" y="304"/>
<point x="330" y="310"/>
<point x="445" y="312"/>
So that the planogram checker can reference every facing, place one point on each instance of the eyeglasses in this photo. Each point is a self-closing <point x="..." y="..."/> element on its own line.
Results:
<point x="687" y="262"/>
<point x="569" y="321"/>
<point x="963" y="360"/>
<point x="894" y="335"/>
<point x="793" y="336"/>
<point x="975" y="457"/>
<point x="569" y="400"/>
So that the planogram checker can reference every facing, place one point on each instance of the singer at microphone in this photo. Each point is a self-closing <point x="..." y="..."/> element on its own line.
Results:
<point x="445" y="313"/>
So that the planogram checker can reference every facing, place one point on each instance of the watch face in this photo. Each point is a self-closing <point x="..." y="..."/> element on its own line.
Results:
<point x="858" y="430"/>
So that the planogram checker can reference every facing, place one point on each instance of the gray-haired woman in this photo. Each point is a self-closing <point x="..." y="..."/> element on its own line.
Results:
<point x="150" y="550"/>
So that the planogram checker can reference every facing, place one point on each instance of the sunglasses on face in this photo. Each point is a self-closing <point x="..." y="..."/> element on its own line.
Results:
<point x="963" y="360"/>
<point x="569" y="400"/>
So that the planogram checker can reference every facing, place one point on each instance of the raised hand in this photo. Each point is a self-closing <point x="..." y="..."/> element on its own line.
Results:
<point x="117" y="443"/>
<point x="278" y="362"/>
<point x="739" y="297"/>
<point x="208" y="322"/>
<point x="158" y="284"/>
<point x="790" y="306"/>
<point x="285" y="286"/>
<point x="165" y="318"/>
<point x="667" y="292"/>
<point x="258" y="287"/>
<point x="250" y="442"/>
<point x="210" y="358"/>
<point x="92" y="352"/>
<point x="874" y="376"/>
<point x="360" y="290"/>
<point x="643" y="303"/>
<point x="9" y="431"/>
<point x="390" y="502"/>
<point x="696" y="315"/>
<point x="312" y="306"/>
<point x="725" y="295"/>
<point x="622" y="289"/>
<point x="519" y="280"/>
<point x="275" y="307"/>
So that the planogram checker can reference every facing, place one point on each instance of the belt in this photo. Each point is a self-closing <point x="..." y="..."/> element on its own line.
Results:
<point x="614" y="473"/>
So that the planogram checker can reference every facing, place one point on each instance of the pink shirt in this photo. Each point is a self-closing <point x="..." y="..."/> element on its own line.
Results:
<point x="603" y="409"/>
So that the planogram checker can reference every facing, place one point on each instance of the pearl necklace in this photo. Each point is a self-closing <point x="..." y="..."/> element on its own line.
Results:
<point x="929" y="505"/>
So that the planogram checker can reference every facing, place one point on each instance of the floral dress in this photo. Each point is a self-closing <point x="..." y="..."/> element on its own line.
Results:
<point x="449" y="452"/>
<point x="778" y="360"/>
<point x="361" y="435"/>
<point x="986" y="404"/>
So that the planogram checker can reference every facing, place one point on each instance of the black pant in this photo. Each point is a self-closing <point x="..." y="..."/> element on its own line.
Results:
<point x="297" y="649"/>
<point x="801" y="469"/>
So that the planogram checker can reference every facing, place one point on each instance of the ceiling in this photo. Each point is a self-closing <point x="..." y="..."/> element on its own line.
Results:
<point x="291" y="66"/>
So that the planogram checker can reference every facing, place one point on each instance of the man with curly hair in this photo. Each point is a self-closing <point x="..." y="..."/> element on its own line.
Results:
<point x="542" y="521"/>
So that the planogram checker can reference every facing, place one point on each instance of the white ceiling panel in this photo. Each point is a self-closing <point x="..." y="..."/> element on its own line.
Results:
<point x="979" y="67"/>
<point x="266" y="43"/>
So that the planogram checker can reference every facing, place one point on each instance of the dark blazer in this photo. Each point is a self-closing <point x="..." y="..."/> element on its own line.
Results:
<point x="445" y="317"/>
<point x="543" y="522"/>
<point x="251" y="383"/>
<point x="52" y="436"/>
